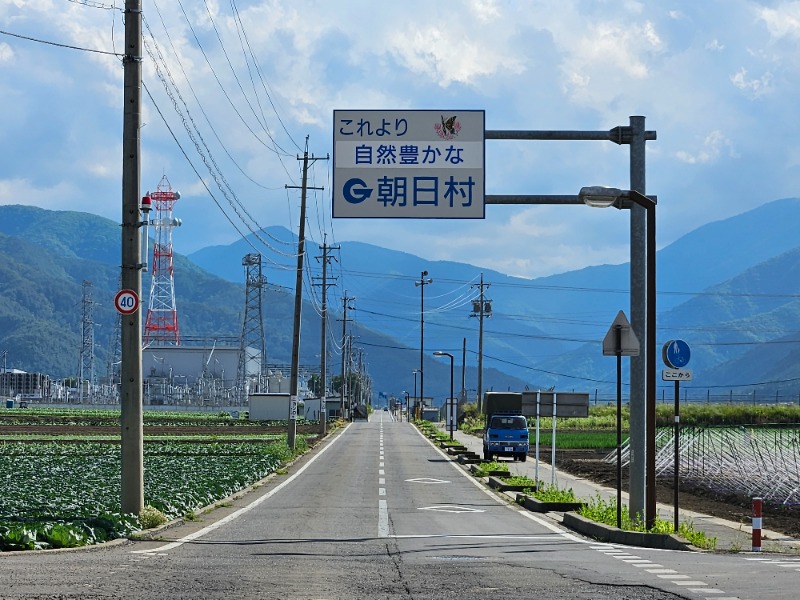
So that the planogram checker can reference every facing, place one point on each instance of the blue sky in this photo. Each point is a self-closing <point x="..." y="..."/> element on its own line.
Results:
<point x="717" y="79"/>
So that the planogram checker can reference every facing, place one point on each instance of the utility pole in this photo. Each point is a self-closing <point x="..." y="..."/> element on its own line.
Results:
<point x="323" y="355"/>
<point x="423" y="281"/>
<point x="291" y="433"/>
<point x="86" y="366"/>
<point x="482" y="308"/>
<point x="131" y="417"/>
<point x="345" y="306"/>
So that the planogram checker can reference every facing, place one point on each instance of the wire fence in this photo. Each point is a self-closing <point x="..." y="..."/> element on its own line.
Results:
<point x="666" y="395"/>
<point x="749" y="461"/>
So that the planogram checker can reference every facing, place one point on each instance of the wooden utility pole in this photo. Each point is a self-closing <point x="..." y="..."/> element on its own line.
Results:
<point x="291" y="433"/>
<point x="323" y="356"/>
<point x="131" y="417"/>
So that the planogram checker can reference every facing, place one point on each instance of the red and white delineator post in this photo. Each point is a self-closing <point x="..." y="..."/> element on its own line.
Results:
<point x="757" y="524"/>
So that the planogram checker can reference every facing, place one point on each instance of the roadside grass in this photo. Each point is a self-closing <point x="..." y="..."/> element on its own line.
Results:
<point x="552" y="493"/>
<point x="483" y="469"/>
<point x="605" y="511"/>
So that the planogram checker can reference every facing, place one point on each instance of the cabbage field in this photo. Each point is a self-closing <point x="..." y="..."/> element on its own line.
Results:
<point x="58" y="493"/>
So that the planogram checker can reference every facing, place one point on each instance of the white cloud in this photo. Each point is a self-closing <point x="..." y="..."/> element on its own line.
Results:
<point x="710" y="150"/>
<point x="6" y="53"/>
<point x="782" y="21"/>
<point x="755" y="88"/>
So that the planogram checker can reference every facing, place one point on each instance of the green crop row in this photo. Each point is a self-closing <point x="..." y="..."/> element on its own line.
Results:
<point x="62" y="494"/>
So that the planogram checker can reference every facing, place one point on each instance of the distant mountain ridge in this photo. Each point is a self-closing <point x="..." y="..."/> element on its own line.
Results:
<point x="729" y="288"/>
<point x="46" y="255"/>
<point x="560" y="319"/>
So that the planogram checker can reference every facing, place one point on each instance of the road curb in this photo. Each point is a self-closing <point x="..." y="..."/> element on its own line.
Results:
<point x="605" y="533"/>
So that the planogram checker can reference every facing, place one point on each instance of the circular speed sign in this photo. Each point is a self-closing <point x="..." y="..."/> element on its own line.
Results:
<point x="126" y="302"/>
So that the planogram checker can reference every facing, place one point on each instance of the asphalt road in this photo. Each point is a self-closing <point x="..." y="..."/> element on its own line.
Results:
<point x="378" y="512"/>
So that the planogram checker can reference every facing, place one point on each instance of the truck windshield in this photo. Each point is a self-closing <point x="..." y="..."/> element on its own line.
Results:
<point x="508" y="423"/>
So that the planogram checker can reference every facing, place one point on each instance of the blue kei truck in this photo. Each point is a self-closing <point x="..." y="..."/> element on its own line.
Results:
<point x="505" y="431"/>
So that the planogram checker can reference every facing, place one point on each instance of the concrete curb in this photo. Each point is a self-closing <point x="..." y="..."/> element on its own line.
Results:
<point x="535" y="505"/>
<point x="502" y="486"/>
<point x="605" y="533"/>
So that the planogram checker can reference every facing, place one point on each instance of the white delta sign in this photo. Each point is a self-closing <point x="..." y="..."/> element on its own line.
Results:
<point x="413" y="164"/>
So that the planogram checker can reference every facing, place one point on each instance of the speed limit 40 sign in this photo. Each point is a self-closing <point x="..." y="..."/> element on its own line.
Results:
<point x="126" y="302"/>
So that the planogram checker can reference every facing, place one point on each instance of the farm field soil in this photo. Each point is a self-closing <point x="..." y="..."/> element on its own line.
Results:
<point x="589" y="464"/>
<point x="48" y="431"/>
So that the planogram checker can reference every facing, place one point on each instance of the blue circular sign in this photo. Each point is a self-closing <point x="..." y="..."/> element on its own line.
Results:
<point x="676" y="354"/>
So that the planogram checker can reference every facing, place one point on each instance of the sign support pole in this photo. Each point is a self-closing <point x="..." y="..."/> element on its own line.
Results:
<point x="676" y="474"/>
<point x="618" y="331"/>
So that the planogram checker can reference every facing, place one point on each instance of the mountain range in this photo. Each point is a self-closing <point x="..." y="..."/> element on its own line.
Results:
<point x="731" y="289"/>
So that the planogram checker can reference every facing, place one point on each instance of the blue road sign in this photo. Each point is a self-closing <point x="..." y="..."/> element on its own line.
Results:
<point x="676" y="354"/>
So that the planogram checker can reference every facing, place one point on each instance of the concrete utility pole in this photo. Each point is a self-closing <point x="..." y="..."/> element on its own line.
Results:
<point x="345" y="306"/>
<point x="131" y="418"/>
<point x="483" y="303"/>
<point x="323" y="355"/>
<point x="423" y="281"/>
<point x="86" y="367"/>
<point x="291" y="433"/>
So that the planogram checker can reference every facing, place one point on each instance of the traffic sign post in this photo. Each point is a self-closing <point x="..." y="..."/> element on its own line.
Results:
<point x="620" y="341"/>
<point x="676" y="354"/>
<point x="126" y="302"/>
<point x="409" y="164"/>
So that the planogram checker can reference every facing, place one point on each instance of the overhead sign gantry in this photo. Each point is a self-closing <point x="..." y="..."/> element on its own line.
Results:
<point x="413" y="164"/>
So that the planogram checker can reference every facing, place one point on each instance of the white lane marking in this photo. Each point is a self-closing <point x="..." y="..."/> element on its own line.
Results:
<point x="383" y="519"/>
<point x="491" y="494"/>
<point x="381" y="481"/>
<point x="426" y="480"/>
<point x="694" y="583"/>
<point x="381" y="472"/>
<point x="452" y="508"/>
<point x="706" y="591"/>
<point x="652" y="565"/>
<point x="425" y="536"/>
<point x="381" y="491"/>
<point x="673" y="576"/>
<point x="657" y="571"/>
<point x="238" y="513"/>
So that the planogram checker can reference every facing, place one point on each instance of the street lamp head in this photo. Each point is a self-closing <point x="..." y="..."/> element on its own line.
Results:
<point x="424" y="273"/>
<point x="598" y="196"/>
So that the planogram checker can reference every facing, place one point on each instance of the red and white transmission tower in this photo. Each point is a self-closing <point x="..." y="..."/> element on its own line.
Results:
<point x="161" y="325"/>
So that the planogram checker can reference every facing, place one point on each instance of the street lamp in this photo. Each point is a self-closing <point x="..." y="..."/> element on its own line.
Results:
<point x="423" y="281"/>
<point x="415" y="393"/>
<point x="602" y="197"/>
<point x="451" y="421"/>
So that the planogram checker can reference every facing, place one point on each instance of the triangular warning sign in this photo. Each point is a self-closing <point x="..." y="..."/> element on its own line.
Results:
<point x="628" y="342"/>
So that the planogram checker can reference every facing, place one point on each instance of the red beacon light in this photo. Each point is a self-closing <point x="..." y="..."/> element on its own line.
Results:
<point x="146" y="205"/>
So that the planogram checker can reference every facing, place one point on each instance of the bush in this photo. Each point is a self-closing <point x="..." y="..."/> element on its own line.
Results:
<point x="151" y="517"/>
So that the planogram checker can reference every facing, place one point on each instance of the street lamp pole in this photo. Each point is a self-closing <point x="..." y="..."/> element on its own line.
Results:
<point x="451" y="420"/>
<point x="423" y="281"/>
<point x="602" y="197"/>
<point x="401" y="411"/>
<point x="415" y="390"/>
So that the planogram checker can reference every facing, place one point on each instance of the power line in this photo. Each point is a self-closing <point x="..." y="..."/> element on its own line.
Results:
<point x="49" y="43"/>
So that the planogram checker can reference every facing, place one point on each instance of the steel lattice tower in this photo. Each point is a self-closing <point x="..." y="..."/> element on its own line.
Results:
<point x="252" y="344"/>
<point x="161" y="325"/>
<point x="86" y="368"/>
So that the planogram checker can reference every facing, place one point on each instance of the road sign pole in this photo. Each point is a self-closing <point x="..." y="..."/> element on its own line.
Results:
<point x="676" y="474"/>
<point x="618" y="329"/>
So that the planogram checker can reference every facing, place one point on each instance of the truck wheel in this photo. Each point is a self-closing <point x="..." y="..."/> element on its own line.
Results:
<point x="523" y="457"/>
